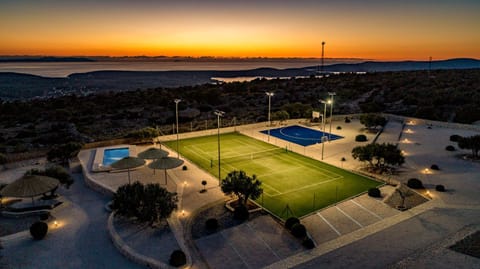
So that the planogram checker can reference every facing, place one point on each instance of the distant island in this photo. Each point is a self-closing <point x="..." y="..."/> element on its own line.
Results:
<point x="33" y="59"/>
<point x="25" y="86"/>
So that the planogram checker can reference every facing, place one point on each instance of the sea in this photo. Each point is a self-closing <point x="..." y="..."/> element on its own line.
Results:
<point x="64" y="69"/>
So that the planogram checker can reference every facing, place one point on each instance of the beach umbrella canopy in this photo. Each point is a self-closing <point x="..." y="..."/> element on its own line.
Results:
<point x="166" y="163"/>
<point x="30" y="186"/>
<point x="153" y="154"/>
<point x="128" y="163"/>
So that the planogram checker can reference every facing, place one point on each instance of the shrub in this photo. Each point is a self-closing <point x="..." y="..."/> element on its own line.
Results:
<point x="450" y="148"/>
<point x="299" y="230"/>
<point x="211" y="224"/>
<point x="374" y="192"/>
<point x="361" y="138"/>
<point x="308" y="243"/>
<point x="184" y="168"/>
<point x="455" y="138"/>
<point x="177" y="258"/>
<point x="415" y="183"/>
<point x="240" y="213"/>
<point x="440" y="188"/>
<point x="343" y="159"/>
<point x="339" y="127"/>
<point x="38" y="230"/>
<point x="290" y="222"/>
<point x="347" y="120"/>
<point x="434" y="167"/>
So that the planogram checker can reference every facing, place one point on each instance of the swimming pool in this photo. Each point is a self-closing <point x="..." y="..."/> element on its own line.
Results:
<point x="300" y="135"/>
<point x="112" y="155"/>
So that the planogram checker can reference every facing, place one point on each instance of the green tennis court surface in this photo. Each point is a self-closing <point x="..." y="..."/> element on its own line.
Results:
<point x="292" y="184"/>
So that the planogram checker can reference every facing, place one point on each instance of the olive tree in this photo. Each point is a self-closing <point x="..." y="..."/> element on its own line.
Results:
<point x="242" y="185"/>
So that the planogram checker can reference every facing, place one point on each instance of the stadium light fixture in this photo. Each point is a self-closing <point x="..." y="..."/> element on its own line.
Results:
<point x="176" y="116"/>
<point x="331" y="94"/>
<point x="219" y="114"/>
<point x="269" y="94"/>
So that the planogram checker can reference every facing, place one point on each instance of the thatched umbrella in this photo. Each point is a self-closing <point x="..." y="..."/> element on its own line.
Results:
<point x="128" y="163"/>
<point x="166" y="163"/>
<point x="30" y="186"/>
<point x="153" y="154"/>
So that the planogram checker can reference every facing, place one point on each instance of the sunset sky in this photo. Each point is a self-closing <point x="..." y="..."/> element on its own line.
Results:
<point x="369" y="29"/>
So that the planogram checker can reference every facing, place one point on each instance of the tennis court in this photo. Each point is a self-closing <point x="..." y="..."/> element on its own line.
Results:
<point x="293" y="184"/>
<point x="301" y="135"/>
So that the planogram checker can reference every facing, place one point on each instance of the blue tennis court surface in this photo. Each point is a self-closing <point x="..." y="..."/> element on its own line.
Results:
<point x="300" y="135"/>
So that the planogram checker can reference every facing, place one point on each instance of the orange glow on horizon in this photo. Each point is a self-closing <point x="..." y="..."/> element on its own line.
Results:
<point x="358" y="29"/>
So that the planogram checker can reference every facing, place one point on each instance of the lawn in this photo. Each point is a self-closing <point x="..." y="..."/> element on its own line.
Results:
<point x="293" y="184"/>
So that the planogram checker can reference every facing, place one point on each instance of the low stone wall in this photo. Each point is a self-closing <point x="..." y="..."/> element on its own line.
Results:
<point x="129" y="252"/>
<point x="94" y="185"/>
<point x="452" y="125"/>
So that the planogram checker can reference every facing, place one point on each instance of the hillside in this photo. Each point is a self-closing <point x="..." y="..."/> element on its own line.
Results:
<point x="447" y="95"/>
<point x="23" y="86"/>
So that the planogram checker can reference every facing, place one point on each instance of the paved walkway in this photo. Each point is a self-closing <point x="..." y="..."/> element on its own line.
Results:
<point x="79" y="241"/>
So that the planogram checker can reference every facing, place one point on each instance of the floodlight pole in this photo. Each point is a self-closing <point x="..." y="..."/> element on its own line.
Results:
<point x="269" y="94"/>
<point x="219" y="114"/>
<point x="324" y="115"/>
<point x="176" y="115"/>
<point x="331" y="94"/>
<point x="323" y="50"/>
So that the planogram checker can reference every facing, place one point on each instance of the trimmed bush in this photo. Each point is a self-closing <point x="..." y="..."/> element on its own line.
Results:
<point x="374" y="192"/>
<point x="211" y="224"/>
<point x="299" y="230"/>
<point x="177" y="258"/>
<point x="450" y="148"/>
<point x="184" y="168"/>
<point x="308" y="243"/>
<point x="361" y="138"/>
<point x="240" y="213"/>
<point x="440" y="188"/>
<point x="415" y="183"/>
<point x="347" y="120"/>
<point x="290" y="222"/>
<point x="455" y="138"/>
<point x="339" y="127"/>
<point x="38" y="230"/>
<point x="434" y="167"/>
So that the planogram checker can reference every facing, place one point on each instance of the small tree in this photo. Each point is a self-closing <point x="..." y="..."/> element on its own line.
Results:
<point x="280" y="115"/>
<point x="379" y="156"/>
<point x="148" y="203"/>
<point x="242" y="186"/>
<point x="372" y="121"/>
<point x="62" y="153"/>
<point x="145" y="133"/>
<point x="472" y="143"/>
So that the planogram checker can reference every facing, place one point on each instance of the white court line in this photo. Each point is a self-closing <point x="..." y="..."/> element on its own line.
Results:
<point x="364" y="208"/>
<point x="260" y="237"/>
<point x="329" y="224"/>
<point x="235" y="249"/>
<point x="348" y="216"/>
<point x="306" y="187"/>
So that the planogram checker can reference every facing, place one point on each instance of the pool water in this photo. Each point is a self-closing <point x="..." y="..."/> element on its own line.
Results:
<point x="112" y="155"/>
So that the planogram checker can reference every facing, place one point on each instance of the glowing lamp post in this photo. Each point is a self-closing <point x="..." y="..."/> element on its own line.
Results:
<point x="219" y="114"/>
<point x="325" y="103"/>
<point x="176" y="115"/>
<point x="269" y="94"/>
<point x="331" y="94"/>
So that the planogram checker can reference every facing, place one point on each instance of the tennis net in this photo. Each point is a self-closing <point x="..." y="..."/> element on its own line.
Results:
<point x="250" y="156"/>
